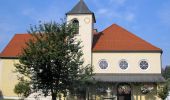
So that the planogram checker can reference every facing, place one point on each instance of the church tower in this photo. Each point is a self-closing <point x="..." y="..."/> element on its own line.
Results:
<point x="85" y="19"/>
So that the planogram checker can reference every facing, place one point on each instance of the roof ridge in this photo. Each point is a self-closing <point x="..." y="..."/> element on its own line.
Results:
<point x="109" y="27"/>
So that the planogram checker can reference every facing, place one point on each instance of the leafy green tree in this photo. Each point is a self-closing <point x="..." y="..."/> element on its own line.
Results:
<point x="52" y="59"/>
<point x="168" y="83"/>
<point x="163" y="92"/>
<point x="22" y="89"/>
<point x="167" y="72"/>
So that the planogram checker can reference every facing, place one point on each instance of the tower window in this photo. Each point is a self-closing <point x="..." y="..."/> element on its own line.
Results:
<point x="75" y="23"/>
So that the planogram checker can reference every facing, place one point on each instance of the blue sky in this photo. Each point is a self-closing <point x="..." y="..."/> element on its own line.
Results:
<point x="148" y="19"/>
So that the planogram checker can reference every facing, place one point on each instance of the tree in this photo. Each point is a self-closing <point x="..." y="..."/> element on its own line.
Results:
<point x="1" y="95"/>
<point x="22" y="89"/>
<point x="163" y="92"/>
<point x="167" y="72"/>
<point x="52" y="59"/>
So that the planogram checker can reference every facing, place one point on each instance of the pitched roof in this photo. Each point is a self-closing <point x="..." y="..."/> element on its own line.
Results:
<point x="116" y="38"/>
<point x="113" y="38"/>
<point x="81" y="8"/>
<point x="15" y="46"/>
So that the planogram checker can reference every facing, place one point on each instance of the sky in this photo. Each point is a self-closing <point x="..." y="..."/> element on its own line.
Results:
<point x="148" y="19"/>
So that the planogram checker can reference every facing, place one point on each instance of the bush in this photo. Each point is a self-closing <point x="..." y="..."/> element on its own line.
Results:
<point x="163" y="92"/>
<point x="22" y="89"/>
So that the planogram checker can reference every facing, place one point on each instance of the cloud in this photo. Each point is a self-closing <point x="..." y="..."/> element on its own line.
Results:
<point x="118" y="2"/>
<point x="115" y="10"/>
<point x="122" y="15"/>
<point x="164" y="16"/>
<point x="47" y="14"/>
<point x="108" y="3"/>
<point x="96" y="3"/>
<point x="129" y="17"/>
<point x="28" y="11"/>
<point x="102" y="11"/>
<point x="6" y="27"/>
<point x="164" y="13"/>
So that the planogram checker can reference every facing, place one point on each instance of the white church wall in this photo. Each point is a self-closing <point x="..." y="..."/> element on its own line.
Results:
<point x="85" y="33"/>
<point x="0" y="74"/>
<point x="9" y="78"/>
<point x="133" y="59"/>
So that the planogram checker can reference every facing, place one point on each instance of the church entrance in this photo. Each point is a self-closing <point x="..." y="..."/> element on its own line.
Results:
<point x="123" y="91"/>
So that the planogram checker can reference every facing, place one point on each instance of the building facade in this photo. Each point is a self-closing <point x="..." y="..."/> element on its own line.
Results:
<point x="126" y="67"/>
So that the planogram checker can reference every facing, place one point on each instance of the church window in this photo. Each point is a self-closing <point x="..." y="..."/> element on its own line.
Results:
<point x="103" y="64"/>
<point x="123" y="64"/>
<point x="75" y="22"/>
<point x="143" y="64"/>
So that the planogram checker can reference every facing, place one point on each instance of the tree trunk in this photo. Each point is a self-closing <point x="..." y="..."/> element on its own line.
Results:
<point x="87" y="93"/>
<point x="54" y="96"/>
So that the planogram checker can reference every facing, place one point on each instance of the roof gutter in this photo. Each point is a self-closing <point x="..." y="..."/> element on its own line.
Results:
<point x="129" y="51"/>
<point x="8" y="57"/>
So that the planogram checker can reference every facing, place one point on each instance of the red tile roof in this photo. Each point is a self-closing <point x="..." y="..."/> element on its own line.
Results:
<point x="116" y="38"/>
<point x="113" y="38"/>
<point x="16" y="45"/>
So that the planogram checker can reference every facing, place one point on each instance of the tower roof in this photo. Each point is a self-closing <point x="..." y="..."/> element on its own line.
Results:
<point x="81" y="8"/>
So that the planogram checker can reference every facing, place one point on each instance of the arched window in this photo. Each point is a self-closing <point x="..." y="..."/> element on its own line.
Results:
<point x="75" y="22"/>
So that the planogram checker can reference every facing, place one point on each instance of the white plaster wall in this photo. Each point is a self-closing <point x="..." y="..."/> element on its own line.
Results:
<point x="9" y="78"/>
<point x="0" y="74"/>
<point x="85" y="34"/>
<point x="133" y="59"/>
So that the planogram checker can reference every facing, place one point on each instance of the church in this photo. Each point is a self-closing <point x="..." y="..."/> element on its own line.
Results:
<point x="125" y="66"/>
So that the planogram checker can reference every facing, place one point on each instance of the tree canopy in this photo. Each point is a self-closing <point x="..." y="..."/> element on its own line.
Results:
<point x="163" y="92"/>
<point x="167" y="72"/>
<point x="22" y="89"/>
<point x="52" y="59"/>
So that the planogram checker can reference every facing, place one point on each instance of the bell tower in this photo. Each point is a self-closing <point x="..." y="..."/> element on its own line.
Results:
<point x="85" y="19"/>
